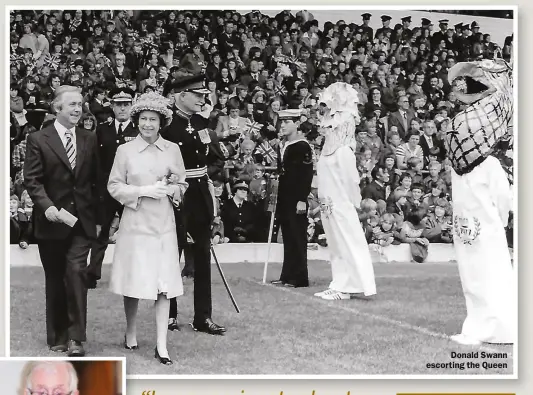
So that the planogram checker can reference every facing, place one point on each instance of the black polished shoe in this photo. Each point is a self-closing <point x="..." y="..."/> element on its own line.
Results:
<point x="277" y="282"/>
<point x="75" y="349"/>
<point x="135" y="347"/>
<point x="59" y="348"/>
<point x="173" y="324"/>
<point x="163" y="360"/>
<point x="208" y="326"/>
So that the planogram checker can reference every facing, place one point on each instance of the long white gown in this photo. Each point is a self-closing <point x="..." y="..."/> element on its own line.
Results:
<point x="481" y="203"/>
<point x="339" y="194"/>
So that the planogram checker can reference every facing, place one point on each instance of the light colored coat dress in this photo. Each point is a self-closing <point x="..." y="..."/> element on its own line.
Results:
<point x="146" y="260"/>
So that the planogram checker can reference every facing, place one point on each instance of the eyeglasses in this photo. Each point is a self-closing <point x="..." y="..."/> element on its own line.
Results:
<point x="47" y="393"/>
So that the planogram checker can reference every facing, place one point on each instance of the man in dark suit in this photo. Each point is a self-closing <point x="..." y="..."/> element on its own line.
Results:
<point x="253" y="75"/>
<point x="377" y="189"/>
<point x="295" y="165"/>
<point x="61" y="174"/>
<point x="403" y="117"/>
<point x="189" y="130"/>
<point x="109" y="136"/>
<point x="429" y="140"/>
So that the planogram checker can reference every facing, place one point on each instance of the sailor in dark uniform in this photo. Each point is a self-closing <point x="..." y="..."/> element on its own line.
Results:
<point x="367" y="29"/>
<point x="109" y="136"/>
<point x="189" y="130"/>
<point x="295" y="166"/>
<point x="385" y="20"/>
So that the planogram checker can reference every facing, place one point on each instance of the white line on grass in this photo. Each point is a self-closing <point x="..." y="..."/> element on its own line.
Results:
<point x="377" y="317"/>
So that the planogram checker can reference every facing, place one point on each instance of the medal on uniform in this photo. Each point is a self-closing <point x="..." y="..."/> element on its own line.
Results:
<point x="204" y="136"/>
<point x="129" y="138"/>
<point x="189" y="128"/>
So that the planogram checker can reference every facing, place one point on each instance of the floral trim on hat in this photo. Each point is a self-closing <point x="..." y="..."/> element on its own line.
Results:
<point x="153" y="101"/>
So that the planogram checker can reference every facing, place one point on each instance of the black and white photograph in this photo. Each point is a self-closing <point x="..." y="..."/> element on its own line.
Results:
<point x="267" y="192"/>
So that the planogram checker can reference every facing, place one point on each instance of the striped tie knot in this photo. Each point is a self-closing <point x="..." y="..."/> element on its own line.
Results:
<point x="71" y="152"/>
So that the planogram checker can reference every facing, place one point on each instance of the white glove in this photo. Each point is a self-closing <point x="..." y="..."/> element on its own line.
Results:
<point x="157" y="191"/>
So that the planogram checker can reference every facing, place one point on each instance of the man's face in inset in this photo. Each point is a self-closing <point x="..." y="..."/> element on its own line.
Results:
<point x="53" y="378"/>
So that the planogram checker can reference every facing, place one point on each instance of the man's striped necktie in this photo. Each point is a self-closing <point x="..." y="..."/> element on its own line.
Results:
<point x="71" y="152"/>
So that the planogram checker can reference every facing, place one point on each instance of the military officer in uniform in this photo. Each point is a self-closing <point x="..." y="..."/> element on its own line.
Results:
<point x="109" y="136"/>
<point x="440" y="35"/>
<point x="189" y="130"/>
<point x="295" y="166"/>
<point x="385" y="20"/>
<point x="367" y="29"/>
<point x="407" y="33"/>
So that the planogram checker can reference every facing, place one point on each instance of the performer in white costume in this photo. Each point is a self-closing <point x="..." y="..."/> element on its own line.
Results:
<point x="482" y="201"/>
<point x="340" y="196"/>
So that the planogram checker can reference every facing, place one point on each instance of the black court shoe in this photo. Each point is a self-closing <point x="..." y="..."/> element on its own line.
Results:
<point x="163" y="360"/>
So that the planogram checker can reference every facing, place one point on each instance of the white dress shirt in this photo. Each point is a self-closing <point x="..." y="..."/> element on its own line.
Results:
<point x="124" y="125"/>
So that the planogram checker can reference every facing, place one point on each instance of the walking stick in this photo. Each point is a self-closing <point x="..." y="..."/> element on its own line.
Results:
<point x="271" y="207"/>
<point x="224" y="280"/>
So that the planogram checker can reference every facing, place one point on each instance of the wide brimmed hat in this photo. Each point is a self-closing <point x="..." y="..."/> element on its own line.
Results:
<point x="153" y="101"/>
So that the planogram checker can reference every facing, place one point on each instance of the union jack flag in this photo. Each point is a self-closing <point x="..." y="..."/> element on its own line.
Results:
<point x="252" y="129"/>
<point x="16" y="60"/>
<point x="52" y="61"/>
<point x="280" y="90"/>
<point x="267" y="152"/>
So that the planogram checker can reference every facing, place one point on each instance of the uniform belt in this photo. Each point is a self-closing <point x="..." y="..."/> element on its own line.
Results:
<point x="196" y="173"/>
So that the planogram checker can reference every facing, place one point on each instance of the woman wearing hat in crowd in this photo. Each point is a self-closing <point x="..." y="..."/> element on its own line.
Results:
<point x="148" y="178"/>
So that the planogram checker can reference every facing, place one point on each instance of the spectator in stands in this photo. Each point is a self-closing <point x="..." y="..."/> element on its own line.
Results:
<point x="377" y="189"/>
<point x="438" y="224"/>
<point x="408" y="150"/>
<point x="238" y="215"/>
<point x="411" y="233"/>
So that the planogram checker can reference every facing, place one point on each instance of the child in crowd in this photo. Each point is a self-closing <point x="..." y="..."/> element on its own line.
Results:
<point x="414" y="167"/>
<point x="411" y="233"/>
<point x="368" y="208"/>
<point x="406" y="180"/>
<point x="373" y="141"/>
<point x="365" y="164"/>
<point x="416" y="197"/>
<point x="437" y="191"/>
<point x="434" y="174"/>
<point x="383" y="235"/>
<point x="398" y="205"/>
<point x="438" y="225"/>
<point x="19" y="223"/>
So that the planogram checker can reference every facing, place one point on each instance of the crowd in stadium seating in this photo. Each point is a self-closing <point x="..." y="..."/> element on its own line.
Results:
<point x="256" y="65"/>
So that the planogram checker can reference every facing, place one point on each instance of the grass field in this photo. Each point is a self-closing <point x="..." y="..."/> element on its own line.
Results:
<point x="280" y="330"/>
